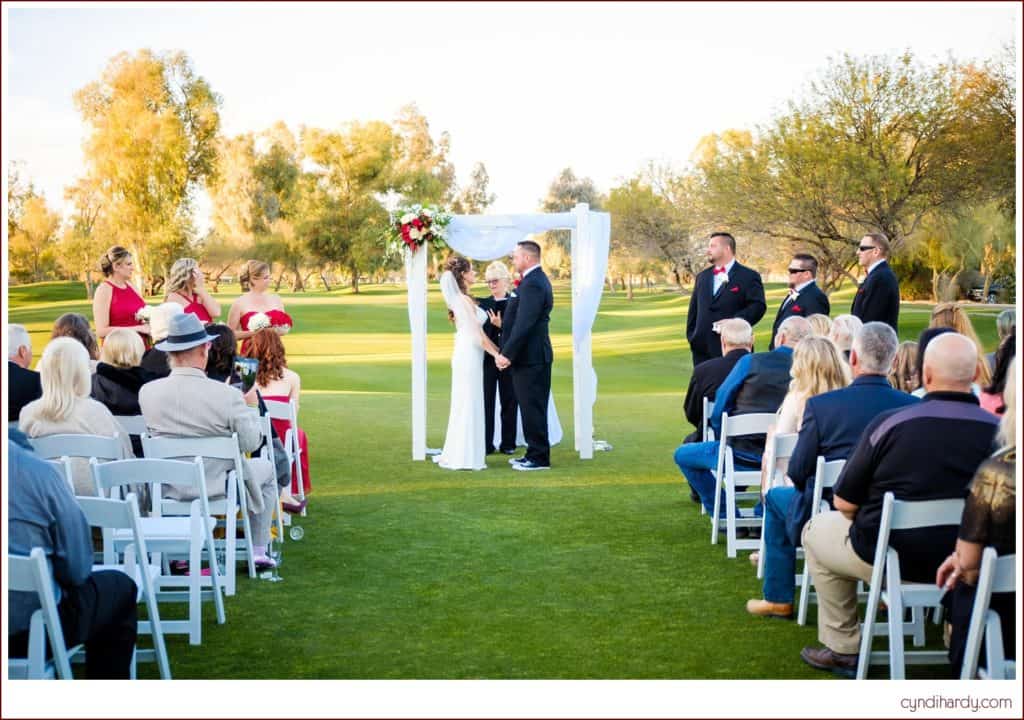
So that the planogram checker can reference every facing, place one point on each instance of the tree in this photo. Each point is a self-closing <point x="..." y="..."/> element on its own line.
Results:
<point x="82" y="243"/>
<point x="421" y="171"/>
<point x="32" y="249"/>
<point x="879" y="144"/>
<point x="563" y="194"/>
<point x="153" y="129"/>
<point x="475" y="198"/>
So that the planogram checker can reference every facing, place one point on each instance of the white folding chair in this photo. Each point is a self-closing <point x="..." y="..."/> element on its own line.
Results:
<point x="706" y="432"/>
<point x="729" y="478"/>
<point x="825" y="475"/>
<point x="63" y="466"/>
<point x="32" y="575"/>
<point x="268" y="443"/>
<point x="189" y="535"/>
<point x="898" y="595"/>
<point x="780" y="448"/>
<point x="132" y="424"/>
<point x="51" y="447"/>
<point x="997" y="575"/>
<point x="235" y="500"/>
<point x="124" y="515"/>
<point x="278" y="410"/>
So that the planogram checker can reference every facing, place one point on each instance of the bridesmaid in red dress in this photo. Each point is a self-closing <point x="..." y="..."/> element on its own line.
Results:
<point x="256" y="301"/>
<point x="186" y="287"/>
<point x="276" y="382"/>
<point x="115" y="302"/>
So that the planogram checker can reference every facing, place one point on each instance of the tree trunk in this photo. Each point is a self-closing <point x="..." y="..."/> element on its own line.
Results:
<point x="355" y="279"/>
<point x="629" y="288"/>
<point x="323" y="279"/>
<point x="215" y="278"/>
<point x="675" y="274"/>
<point x="297" y="285"/>
<point x="280" y="279"/>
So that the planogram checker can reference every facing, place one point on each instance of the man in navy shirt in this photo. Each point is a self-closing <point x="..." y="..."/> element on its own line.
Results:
<point x="831" y="426"/>
<point x="925" y="451"/>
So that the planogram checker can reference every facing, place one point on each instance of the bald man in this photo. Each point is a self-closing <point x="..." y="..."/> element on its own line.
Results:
<point x="927" y="451"/>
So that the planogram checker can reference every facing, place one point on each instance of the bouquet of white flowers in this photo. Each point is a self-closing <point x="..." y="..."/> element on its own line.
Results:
<point x="414" y="226"/>
<point x="259" y="321"/>
<point x="144" y="314"/>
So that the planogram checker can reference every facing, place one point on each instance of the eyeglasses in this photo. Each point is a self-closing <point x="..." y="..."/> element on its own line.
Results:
<point x="865" y="248"/>
<point x="794" y="271"/>
<point x="493" y="282"/>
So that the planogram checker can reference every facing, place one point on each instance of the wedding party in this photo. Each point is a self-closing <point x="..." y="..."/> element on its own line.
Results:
<point x="331" y="360"/>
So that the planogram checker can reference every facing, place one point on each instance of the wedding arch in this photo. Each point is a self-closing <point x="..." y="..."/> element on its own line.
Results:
<point x="489" y="237"/>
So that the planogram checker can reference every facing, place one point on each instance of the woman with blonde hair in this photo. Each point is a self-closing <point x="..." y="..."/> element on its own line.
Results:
<point x="817" y="368"/>
<point x="952" y="315"/>
<point x="66" y="408"/>
<point x="498" y="384"/>
<point x="256" y="308"/>
<point x="904" y="375"/>
<point x="119" y="376"/>
<point x="844" y="329"/>
<point x="820" y="324"/>
<point x="116" y="302"/>
<point x="186" y="286"/>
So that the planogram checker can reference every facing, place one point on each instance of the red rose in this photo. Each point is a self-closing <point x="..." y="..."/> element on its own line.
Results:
<point x="417" y="223"/>
<point x="516" y="282"/>
<point x="797" y="308"/>
<point x="734" y="288"/>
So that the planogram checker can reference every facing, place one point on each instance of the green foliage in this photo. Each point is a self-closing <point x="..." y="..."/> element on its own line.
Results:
<point x="32" y="251"/>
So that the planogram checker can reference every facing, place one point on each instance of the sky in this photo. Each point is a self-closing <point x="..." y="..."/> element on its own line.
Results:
<point x="528" y="89"/>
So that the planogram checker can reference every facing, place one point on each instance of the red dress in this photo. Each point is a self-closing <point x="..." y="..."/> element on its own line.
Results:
<point x="278" y="318"/>
<point x="198" y="309"/>
<point x="124" y="303"/>
<point x="281" y="427"/>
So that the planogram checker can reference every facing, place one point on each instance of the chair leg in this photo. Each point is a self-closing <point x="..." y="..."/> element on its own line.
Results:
<point x="717" y="517"/>
<point x="917" y="615"/>
<point x="195" y="596"/>
<point x="760" y="553"/>
<point x="897" y="661"/>
<point x="805" y="591"/>
<point x="230" y="550"/>
<point x="867" y="633"/>
<point x="215" y="577"/>
<point x="730" y="520"/>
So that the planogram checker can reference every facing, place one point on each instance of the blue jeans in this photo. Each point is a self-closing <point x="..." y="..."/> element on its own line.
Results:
<point x="696" y="460"/>
<point x="779" y="554"/>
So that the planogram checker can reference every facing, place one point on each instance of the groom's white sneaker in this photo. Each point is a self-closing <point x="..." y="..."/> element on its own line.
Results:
<point x="516" y="461"/>
<point x="529" y="466"/>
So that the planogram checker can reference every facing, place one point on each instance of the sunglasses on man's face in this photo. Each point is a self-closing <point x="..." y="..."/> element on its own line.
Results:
<point x="794" y="271"/>
<point x="865" y="248"/>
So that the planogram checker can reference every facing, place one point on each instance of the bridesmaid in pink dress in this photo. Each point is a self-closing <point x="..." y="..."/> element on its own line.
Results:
<point x="115" y="302"/>
<point x="255" y="279"/>
<point x="275" y="381"/>
<point x="186" y="287"/>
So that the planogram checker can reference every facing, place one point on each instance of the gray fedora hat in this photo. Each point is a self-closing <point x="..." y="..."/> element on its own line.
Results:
<point x="184" y="331"/>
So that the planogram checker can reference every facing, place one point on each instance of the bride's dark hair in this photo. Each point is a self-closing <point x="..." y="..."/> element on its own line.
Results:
<point x="457" y="265"/>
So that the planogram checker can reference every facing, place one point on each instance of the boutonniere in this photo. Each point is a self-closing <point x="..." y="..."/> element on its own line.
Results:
<point x="734" y="288"/>
<point x="797" y="308"/>
<point x="860" y="289"/>
<point x="516" y="282"/>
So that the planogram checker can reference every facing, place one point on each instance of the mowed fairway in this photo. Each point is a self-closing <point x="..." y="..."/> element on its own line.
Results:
<point x="596" y="569"/>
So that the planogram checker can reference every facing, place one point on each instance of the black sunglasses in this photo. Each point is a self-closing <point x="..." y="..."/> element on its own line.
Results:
<point x="794" y="271"/>
<point x="865" y="248"/>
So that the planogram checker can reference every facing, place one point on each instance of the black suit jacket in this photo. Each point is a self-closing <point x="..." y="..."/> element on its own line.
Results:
<point x="810" y="301"/>
<point x="704" y="382"/>
<point x="741" y="297"/>
<point x="524" y="329"/>
<point x="878" y="297"/>
<point x="497" y="306"/>
<point x="23" y="387"/>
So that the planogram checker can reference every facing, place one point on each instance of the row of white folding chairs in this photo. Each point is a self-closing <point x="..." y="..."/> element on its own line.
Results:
<point x="729" y="479"/>
<point x="32" y="574"/>
<point x="997" y="575"/>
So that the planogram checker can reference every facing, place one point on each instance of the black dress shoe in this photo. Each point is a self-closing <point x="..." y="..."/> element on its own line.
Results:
<point x="825" y="659"/>
<point x="490" y="451"/>
<point x="694" y="496"/>
<point x="529" y="466"/>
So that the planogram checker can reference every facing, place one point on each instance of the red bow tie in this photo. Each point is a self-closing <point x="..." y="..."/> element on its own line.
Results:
<point x="718" y="270"/>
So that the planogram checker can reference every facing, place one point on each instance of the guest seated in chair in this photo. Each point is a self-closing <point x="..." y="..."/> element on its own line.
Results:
<point x="66" y="408"/>
<point x="844" y="329"/>
<point x="154" y="360"/>
<point x="119" y="377"/>
<point x="76" y="326"/>
<point x="737" y="339"/>
<point x="187" y="404"/>
<point x="95" y="608"/>
<point x="897" y="452"/>
<point x="990" y="519"/>
<point x="831" y="426"/>
<point x="23" y="382"/>
<point x="756" y="384"/>
<point x="275" y="381"/>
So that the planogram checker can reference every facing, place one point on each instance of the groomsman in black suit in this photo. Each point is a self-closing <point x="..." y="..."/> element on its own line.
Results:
<point x="878" y="297"/>
<point x="725" y="290"/>
<point x="526" y="349"/>
<point x="805" y="298"/>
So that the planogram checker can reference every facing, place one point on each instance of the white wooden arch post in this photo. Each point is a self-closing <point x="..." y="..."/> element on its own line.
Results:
<point x="590" y="243"/>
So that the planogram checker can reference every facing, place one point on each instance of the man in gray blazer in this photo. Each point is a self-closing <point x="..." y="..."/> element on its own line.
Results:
<point x="187" y="404"/>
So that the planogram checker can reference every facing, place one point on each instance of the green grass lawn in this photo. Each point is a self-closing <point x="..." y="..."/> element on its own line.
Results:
<point x="596" y="569"/>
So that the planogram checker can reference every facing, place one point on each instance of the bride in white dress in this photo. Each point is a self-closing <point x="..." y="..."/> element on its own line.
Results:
<point x="464" y="444"/>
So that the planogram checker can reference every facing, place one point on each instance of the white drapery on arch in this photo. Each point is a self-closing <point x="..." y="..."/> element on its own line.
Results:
<point x="488" y="237"/>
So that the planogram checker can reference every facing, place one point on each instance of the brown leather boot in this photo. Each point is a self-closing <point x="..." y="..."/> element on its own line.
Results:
<point x="844" y="665"/>
<point x="763" y="608"/>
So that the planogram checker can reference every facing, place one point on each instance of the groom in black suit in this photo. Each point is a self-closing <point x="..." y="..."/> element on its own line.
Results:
<point x="526" y="349"/>
<point x="805" y="298"/>
<point x="725" y="290"/>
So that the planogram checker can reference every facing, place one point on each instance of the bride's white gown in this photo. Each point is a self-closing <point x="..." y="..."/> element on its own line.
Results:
<point x="464" y="447"/>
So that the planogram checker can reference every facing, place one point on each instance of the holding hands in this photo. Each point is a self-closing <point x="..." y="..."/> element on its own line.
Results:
<point x="501" y="362"/>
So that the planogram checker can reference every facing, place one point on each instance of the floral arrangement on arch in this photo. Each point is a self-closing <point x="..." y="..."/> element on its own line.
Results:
<point x="414" y="226"/>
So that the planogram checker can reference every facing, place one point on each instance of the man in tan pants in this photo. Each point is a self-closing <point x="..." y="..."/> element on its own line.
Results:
<point x="896" y="453"/>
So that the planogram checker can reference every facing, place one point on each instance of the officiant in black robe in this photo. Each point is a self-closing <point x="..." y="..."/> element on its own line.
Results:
<point x="497" y="383"/>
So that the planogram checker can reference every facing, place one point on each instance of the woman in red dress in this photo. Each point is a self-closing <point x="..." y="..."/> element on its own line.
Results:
<point x="186" y="287"/>
<point x="276" y="382"/>
<point x="116" y="302"/>
<point x="256" y="303"/>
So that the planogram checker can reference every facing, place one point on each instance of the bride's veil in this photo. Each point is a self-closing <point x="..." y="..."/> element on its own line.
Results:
<point x="454" y="297"/>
